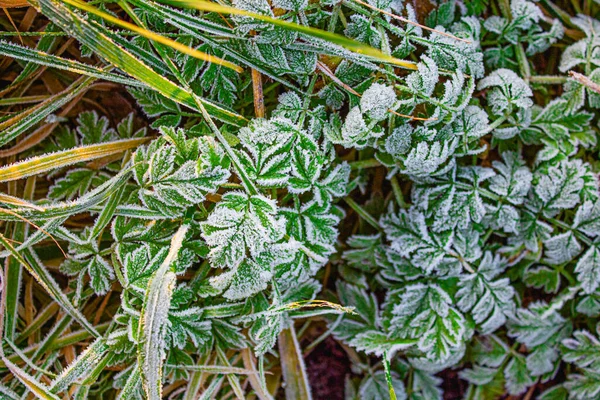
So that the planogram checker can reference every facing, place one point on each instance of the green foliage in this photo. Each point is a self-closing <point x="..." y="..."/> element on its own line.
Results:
<point x="193" y="248"/>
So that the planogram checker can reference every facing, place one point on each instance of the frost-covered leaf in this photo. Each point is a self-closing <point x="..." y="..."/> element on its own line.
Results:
<point x="267" y="145"/>
<point x="560" y="188"/>
<point x="587" y="218"/>
<point x="588" y="268"/>
<point x="240" y="224"/>
<point x="513" y="180"/>
<point x="489" y="300"/>
<point x="507" y="93"/>
<point x="410" y="237"/>
<point x="561" y="248"/>
<point x="517" y="376"/>
<point x="426" y="313"/>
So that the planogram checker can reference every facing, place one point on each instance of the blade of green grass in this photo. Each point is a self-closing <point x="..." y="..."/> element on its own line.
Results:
<point x="153" y="36"/>
<point x="233" y="380"/>
<point x="349" y="44"/>
<point x="153" y="319"/>
<point x="214" y="369"/>
<point x="388" y="376"/>
<point x="40" y="390"/>
<point x="292" y="366"/>
<point x="30" y="262"/>
<point x="131" y="385"/>
<point x="19" y="124"/>
<point x="65" y="209"/>
<point x="45" y="44"/>
<point x="8" y="393"/>
<point x="14" y="270"/>
<point x="40" y="164"/>
<point x="81" y="367"/>
<point x="102" y="41"/>
<point x="42" y="58"/>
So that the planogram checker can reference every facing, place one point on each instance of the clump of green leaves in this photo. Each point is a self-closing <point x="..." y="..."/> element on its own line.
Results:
<point x="427" y="196"/>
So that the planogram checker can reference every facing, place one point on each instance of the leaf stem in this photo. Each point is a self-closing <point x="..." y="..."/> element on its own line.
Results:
<point x="363" y="213"/>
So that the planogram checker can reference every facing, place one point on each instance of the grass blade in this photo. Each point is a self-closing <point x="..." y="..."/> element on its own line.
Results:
<point x="153" y="319"/>
<point x="65" y="209"/>
<point x="40" y="164"/>
<point x="292" y="365"/>
<point x="42" y="58"/>
<point x="37" y="270"/>
<point x="331" y="37"/>
<point x="131" y="385"/>
<point x="100" y="39"/>
<point x="82" y="366"/>
<point x="40" y="390"/>
<point x="214" y="369"/>
<point x="7" y="393"/>
<point x="154" y="36"/>
<point x="13" y="269"/>
<point x="15" y="126"/>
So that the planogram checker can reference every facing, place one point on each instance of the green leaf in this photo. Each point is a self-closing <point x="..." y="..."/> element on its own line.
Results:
<point x="103" y="42"/>
<point x="40" y="164"/>
<point x="154" y="320"/>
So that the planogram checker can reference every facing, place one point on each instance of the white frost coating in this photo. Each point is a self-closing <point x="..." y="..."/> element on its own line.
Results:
<point x="238" y="224"/>
<point x="561" y="248"/>
<point x="573" y="55"/>
<point x="489" y="301"/>
<point x="80" y="366"/>
<point x="354" y="126"/>
<point x="426" y="312"/>
<point x="588" y="269"/>
<point x="513" y="180"/>
<point x="425" y="159"/>
<point x="560" y="188"/>
<point x="292" y="5"/>
<point x="399" y="141"/>
<point x="472" y="122"/>
<point x="526" y="12"/>
<point x="508" y="89"/>
<point x="376" y="101"/>
<point x="587" y="218"/>
<point x="425" y="78"/>
<point x="154" y="319"/>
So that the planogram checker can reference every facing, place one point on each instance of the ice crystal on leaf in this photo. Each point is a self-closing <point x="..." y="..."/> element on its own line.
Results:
<point x="241" y="224"/>
<point x="426" y="312"/>
<point x="508" y="91"/>
<point x="376" y="101"/>
<point x="488" y="300"/>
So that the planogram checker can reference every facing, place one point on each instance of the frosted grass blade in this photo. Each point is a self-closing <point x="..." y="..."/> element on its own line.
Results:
<point x="49" y="60"/>
<point x="81" y="366"/>
<point x="41" y="274"/>
<point x="340" y="40"/>
<point x="40" y="164"/>
<point x="101" y="40"/>
<point x="19" y="124"/>
<point x="154" y="36"/>
<point x="153" y="319"/>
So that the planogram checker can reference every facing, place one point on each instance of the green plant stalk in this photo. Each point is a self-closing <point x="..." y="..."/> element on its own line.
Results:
<point x="45" y="163"/>
<point x="292" y="364"/>
<point x="14" y="127"/>
<point x="349" y="44"/>
<point x="388" y="376"/>
<point x="363" y="213"/>
<point x="14" y="271"/>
